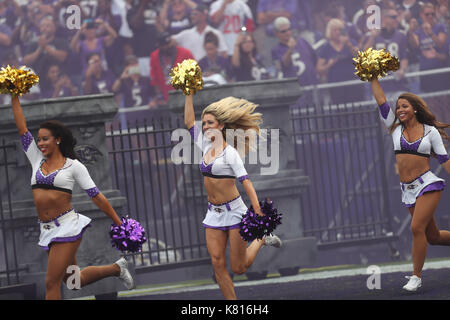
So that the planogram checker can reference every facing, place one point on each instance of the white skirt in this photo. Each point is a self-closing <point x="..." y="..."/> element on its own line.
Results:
<point x="225" y="216"/>
<point x="427" y="182"/>
<point x="68" y="227"/>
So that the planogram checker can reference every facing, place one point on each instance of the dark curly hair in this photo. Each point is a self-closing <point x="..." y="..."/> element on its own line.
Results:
<point x="60" y="130"/>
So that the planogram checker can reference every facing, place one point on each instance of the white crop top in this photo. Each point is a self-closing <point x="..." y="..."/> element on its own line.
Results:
<point x="62" y="179"/>
<point x="228" y="164"/>
<point x="431" y="139"/>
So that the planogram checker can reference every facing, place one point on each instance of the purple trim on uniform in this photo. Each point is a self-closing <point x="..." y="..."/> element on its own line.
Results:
<point x="43" y="179"/>
<point x="225" y="228"/>
<point x="405" y="145"/>
<point x="384" y="110"/>
<point x="242" y="178"/>
<point x="435" y="186"/>
<point x="442" y="158"/>
<point x="92" y="192"/>
<point x="420" y="180"/>
<point x="404" y="183"/>
<point x="221" y="204"/>
<point x="67" y="239"/>
<point x="227" y="205"/>
<point x="26" y="140"/>
<point x="65" y="212"/>
<point x="194" y="132"/>
<point x="207" y="168"/>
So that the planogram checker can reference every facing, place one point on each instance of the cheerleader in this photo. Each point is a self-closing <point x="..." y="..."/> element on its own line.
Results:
<point x="221" y="165"/>
<point x="55" y="169"/>
<point x="417" y="135"/>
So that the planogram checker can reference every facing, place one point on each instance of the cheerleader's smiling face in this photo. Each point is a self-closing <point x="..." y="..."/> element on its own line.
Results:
<point x="46" y="142"/>
<point x="404" y="110"/>
<point x="209" y="122"/>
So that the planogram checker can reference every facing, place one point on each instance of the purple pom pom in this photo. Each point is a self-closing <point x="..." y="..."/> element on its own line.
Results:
<point x="254" y="226"/>
<point x="129" y="236"/>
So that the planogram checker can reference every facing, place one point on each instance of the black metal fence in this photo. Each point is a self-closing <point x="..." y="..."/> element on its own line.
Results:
<point x="167" y="198"/>
<point x="9" y="268"/>
<point x="341" y="150"/>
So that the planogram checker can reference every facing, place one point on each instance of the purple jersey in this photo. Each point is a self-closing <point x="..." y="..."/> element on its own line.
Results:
<point x="221" y="65"/>
<point x="396" y="44"/>
<point x="85" y="52"/>
<point x="176" y="26"/>
<point x="136" y="94"/>
<point x="48" y="92"/>
<point x="426" y="43"/>
<point x="144" y="35"/>
<point x="103" y="84"/>
<point x="342" y="70"/>
<point x="277" y="6"/>
<point x="432" y="82"/>
<point x="303" y="62"/>
<point x="4" y="29"/>
<point x="248" y="71"/>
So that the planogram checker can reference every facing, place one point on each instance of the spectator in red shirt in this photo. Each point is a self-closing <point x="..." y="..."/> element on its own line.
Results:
<point x="162" y="60"/>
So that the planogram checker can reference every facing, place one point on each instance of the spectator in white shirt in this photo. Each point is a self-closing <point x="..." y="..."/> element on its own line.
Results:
<point x="230" y="16"/>
<point x="193" y="38"/>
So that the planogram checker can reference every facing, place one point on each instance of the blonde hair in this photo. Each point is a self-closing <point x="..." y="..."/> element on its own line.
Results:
<point x="332" y="24"/>
<point x="235" y="113"/>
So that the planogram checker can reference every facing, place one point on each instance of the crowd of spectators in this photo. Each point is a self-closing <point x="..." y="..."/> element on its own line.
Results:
<point x="128" y="47"/>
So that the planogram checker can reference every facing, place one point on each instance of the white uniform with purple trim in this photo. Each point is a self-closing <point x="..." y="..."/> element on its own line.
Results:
<point x="431" y="140"/>
<point x="68" y="226"/>
<point x="228" y="164"/>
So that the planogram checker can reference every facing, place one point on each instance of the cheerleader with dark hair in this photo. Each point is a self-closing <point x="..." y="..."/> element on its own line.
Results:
<point x="55" y="169"/>
<point x="417" y="135"/>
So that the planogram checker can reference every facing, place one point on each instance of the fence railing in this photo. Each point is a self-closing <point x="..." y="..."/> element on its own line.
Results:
<point x="167" y="199"/>
<point x="9" y="267"/>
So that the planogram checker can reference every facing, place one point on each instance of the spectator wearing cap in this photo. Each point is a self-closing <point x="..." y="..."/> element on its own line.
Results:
<point x="194" y="37"/>
<point x="176" y="15"/>
<point x="230" y="17"/>
<point x="294" y="57"/>
<point x="143" y="19"/>
<point x="47" y="49"/>
<point x="133" y="87"/>
<point x="162" y="60"/>
<point x="97" y="79"/>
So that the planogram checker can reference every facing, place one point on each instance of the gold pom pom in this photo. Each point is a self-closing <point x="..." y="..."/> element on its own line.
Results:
<point x="16" y="81"/>
<point x="187" y="76"/>
<point x="374" y="64"/>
